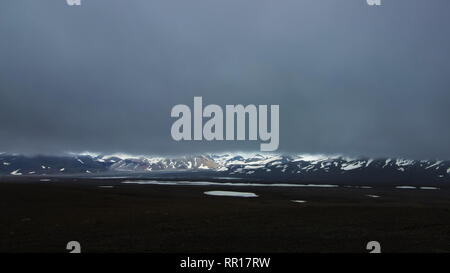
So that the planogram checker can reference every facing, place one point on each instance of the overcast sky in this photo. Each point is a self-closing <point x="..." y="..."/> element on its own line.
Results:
<point x="349" y="78"/>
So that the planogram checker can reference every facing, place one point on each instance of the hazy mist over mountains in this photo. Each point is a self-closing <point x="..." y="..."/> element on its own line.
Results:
<point x="350" y="79"/>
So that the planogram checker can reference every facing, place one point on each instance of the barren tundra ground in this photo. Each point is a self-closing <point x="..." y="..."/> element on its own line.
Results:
<point x="43" y="217"/>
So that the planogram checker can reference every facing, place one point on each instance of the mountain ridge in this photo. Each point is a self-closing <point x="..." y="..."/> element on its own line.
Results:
<point x="315" y="168"/>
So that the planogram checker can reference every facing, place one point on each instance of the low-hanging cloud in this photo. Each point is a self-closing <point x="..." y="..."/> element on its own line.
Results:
<point x="349" y="78"/>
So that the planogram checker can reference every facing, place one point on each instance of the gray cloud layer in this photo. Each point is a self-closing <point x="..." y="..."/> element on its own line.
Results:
<point x="349" y="78"/>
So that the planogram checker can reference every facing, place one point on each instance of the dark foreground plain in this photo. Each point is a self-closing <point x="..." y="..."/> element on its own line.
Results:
<point x="44" y="216"/>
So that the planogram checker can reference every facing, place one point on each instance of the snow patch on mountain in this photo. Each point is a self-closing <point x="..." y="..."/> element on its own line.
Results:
<point x="16" y="172"/>
<point x="404" y="162"/>
<point x="434" y="165"/>
<point x="368" y="162"/>
<point x="352" y="165"/>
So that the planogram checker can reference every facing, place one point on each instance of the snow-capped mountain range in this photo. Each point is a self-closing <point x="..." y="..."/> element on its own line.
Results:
<point x="262" y="166"/>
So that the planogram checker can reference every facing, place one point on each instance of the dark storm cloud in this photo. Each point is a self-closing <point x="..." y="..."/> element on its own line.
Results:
<point x="349" y="78"/>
